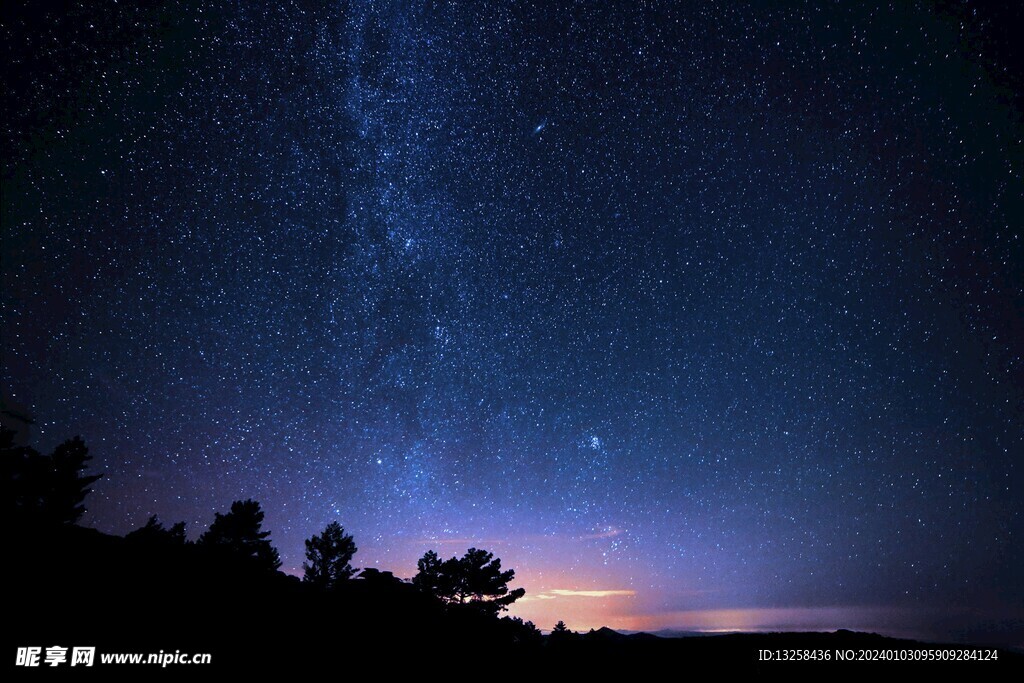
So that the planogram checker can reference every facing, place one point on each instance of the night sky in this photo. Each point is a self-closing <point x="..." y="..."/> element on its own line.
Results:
<point x="699" y="315"/>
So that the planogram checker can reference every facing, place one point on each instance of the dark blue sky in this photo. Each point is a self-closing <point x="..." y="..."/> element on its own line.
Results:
<point x="704" y="316"/>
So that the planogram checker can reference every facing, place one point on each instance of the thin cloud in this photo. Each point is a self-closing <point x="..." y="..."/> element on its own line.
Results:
<point x="567" y="593"/>
<point x="467" y="542"/>
<point x="610" y="532"/>
<point x="556" y="593"/>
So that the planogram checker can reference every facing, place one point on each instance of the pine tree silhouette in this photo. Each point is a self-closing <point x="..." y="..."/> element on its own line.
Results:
<point x="153" y="533"/>
<point x="45" y="490"/>
<point x="475" y="579"/>
<point x="329" y="557"/>
<point x="240" y="533"/>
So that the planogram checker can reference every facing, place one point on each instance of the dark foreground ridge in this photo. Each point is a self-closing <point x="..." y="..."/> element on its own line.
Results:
<point x="72" y="586"/>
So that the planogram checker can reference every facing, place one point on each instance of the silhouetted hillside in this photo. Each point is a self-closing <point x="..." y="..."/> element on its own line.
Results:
<point x="80" y="586"/>
<point x="76" y="586"/>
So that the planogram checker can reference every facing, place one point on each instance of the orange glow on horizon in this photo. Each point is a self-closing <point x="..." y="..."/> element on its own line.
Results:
<point x="604" y="596"/>
<point x="585" y="614"/>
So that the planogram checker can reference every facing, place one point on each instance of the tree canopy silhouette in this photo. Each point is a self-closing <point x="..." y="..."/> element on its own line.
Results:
<point x="240" y="533"/>
<point x="45" y="490"/>
<point x="154" y="533"/>
<point x="561" y="633"/>
<point x="433" y="578"/>
<point x="475" y="579"/>
<point x="329" y="557"/>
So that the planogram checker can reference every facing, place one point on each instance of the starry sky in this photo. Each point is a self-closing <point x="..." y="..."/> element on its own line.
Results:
<point x="699" y="315"/>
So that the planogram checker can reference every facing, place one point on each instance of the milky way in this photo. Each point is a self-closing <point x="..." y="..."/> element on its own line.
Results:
<point x="699" y="316"/>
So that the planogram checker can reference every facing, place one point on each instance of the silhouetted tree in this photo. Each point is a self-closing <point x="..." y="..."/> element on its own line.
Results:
<point x="45" y="490"/>
<point x="69" y="485"/>
<point x="560" y="629"/>
<point x="485" y="584"/>
<point x="23" y="478"/>
<point x="474" y="579"/>
<point x="524" y="631"/>
<point x="16" y="419"/>
<point x="435" y="576"/>
<point x="329" y="557"/>
<point x="240" y="533"/>
<point x="154" y="533"/>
